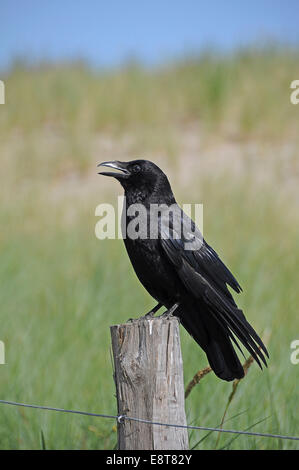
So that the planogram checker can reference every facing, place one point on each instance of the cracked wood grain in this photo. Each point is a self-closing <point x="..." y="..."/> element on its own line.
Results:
<point x="149" y="384"/>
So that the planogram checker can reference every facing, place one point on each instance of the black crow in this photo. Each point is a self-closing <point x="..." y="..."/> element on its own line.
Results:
<point x="190" y="281"/>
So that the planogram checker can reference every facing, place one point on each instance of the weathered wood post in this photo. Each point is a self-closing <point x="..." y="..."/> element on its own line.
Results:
<point x="149" y="384"/>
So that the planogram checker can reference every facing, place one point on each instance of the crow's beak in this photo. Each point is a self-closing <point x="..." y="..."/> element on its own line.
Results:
<point x="121" y="166"/>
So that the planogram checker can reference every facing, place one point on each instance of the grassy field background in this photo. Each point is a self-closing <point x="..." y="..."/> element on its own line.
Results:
<point x="224" y="130"/>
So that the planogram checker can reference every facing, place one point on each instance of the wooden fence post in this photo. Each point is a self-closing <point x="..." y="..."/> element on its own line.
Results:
<point x="148" y="374"/>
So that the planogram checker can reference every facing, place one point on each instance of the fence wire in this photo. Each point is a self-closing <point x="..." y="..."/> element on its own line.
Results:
<point x="121" y="418"/>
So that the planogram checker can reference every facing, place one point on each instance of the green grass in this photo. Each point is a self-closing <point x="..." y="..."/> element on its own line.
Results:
<point x="61" y="288"/>
<point x="247" y="88"/>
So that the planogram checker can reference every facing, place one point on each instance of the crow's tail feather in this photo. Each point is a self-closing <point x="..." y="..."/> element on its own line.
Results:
<point x="216" y="343"/>
<point x="223" y="359"/>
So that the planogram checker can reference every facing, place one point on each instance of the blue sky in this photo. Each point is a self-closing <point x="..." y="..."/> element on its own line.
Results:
<point x="109" y="32"/>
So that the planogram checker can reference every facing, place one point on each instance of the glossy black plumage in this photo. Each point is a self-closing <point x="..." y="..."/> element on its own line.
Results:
<point x="195" y="279"/>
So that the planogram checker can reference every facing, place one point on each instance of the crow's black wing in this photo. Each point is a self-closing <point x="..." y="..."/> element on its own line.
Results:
<point x="203" y="276"/>
<point x="203" y="258"/>
<point x="208" y="261"/>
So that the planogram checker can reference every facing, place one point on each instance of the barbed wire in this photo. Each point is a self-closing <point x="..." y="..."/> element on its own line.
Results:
<point x="63" y="410"/>
<point x="204" y="428"/>
<point x="120" y="419"/>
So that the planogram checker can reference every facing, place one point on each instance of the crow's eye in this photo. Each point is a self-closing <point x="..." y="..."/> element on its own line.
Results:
<point x="136" y="168"/>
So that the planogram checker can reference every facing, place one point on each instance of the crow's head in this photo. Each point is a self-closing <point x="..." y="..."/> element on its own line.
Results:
<point x="140" y="176"/>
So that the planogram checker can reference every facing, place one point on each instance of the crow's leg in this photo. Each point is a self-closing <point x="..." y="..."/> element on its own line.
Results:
<point x="148" y="315"/>
<point x="169" y="313"/>
<point x="152" y="312"/>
